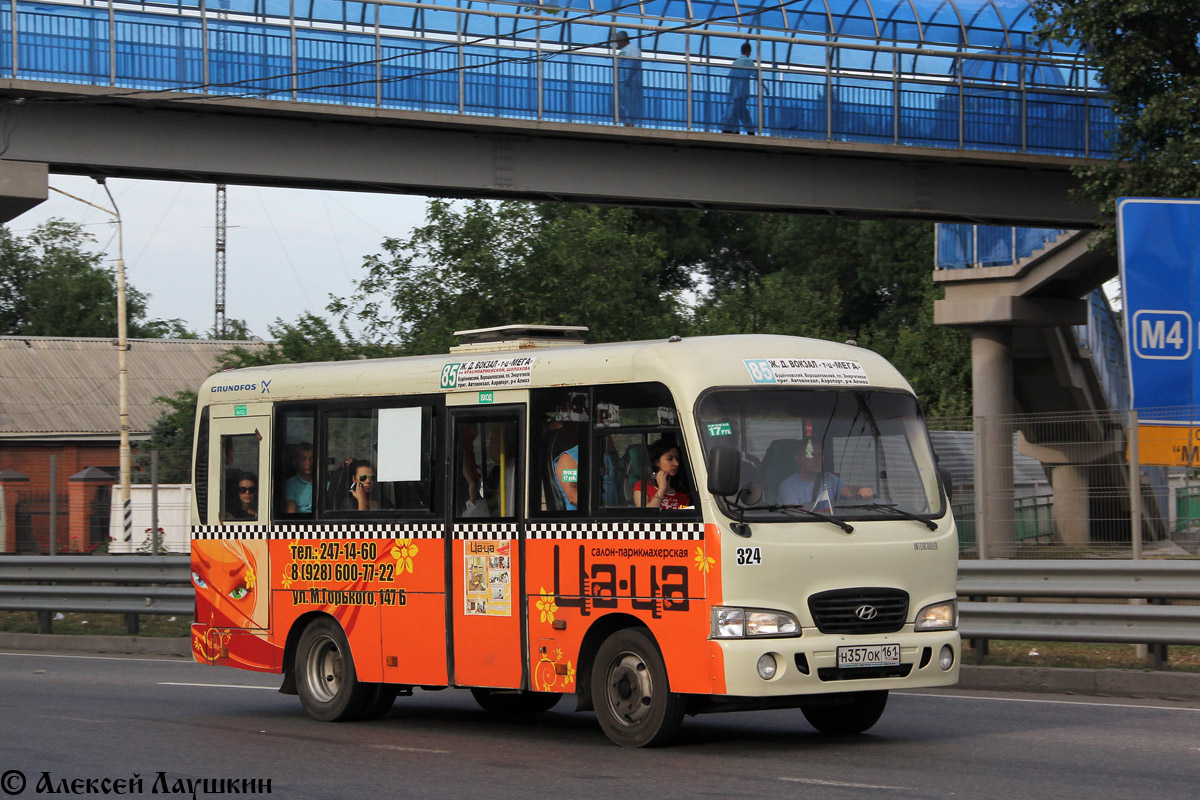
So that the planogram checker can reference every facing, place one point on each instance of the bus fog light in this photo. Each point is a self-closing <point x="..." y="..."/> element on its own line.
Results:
<point x="766" y="666"/>
<point x="946" y="657"/>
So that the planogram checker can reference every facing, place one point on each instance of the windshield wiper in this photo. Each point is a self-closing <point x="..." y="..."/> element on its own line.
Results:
<point x="895" y="509"/>
<point x="817" y="514"/>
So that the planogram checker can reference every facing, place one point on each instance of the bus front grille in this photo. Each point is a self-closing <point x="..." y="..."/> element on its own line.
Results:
<point x="854" y="611"/>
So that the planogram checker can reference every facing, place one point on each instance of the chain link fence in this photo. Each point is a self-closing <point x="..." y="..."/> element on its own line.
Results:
<point x="1061" y="488"/>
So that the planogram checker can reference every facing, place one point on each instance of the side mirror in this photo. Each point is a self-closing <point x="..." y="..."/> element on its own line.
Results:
<point x="724" y="471"/>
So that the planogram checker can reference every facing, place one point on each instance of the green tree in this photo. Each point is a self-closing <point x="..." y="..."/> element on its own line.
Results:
<point x="171" y="435"/>
<point x="486" y="264"/>
<point x="309" y="338"/>
<point x="635" y="273"/>
<point x="51" y="284"/>
<point x="1146" y="54"/>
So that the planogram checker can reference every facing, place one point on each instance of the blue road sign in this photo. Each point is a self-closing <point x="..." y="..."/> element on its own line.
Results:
<point x="1159" y="250"/>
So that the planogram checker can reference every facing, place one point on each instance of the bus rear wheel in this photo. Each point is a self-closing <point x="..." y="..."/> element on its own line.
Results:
<point x="858" y="712"/>
<point x="501" y="702"/>
<point x="325" y="679"/>
<point x="632" y="697"/>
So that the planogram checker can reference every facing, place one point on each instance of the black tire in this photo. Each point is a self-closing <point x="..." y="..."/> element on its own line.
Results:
<point x="858" y="713"/>
<point x="501" y="702"/>
<point x="630" y="691"/>
<point x="382" y="696"/>
<point x="328" y="687"/>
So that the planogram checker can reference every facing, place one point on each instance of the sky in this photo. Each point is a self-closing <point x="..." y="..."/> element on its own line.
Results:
<point x="286" y="250"/>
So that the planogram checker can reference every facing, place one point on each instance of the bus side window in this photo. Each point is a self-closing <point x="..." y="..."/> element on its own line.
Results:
<point x="487" y="462"/>
<point x="559" y="421"/>
<point x="239" y="478"/>
<point x="295" y="463"/>
<point x="628" y="419"/>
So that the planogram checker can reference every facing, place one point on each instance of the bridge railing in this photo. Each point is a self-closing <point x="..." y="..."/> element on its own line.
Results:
<point x="520" y="64"/>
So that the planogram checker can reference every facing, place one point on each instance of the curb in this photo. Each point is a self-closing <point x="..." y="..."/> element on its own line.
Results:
<point x="115" y="645"/>
<point x="1088" y="682"/>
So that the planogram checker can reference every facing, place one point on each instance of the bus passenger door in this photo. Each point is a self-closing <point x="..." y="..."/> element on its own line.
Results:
<point x="486" y="554"/>
<point x="229" y="554"/>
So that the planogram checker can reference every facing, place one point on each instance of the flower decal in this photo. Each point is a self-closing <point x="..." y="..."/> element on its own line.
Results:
<point x="569" y="677"/>
<point x="404" y="552"/>
<point x="703" y="562"/>
<point x="546" y="606"/>
<point x="286" y="580"/>
<point x="251" y="579"/>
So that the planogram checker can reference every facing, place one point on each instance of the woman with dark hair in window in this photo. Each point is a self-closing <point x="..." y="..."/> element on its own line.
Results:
<point x="245" y="505"/>
<point x="362" y="485"/>
<point x="662" y="491"/>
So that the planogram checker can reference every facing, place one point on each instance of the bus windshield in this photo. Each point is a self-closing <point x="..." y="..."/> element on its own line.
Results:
<point x="853" y="454"/>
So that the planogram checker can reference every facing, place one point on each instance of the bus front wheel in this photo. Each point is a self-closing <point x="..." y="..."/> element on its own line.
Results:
<point x="325" y="678"/>
<point x="633" y="700"/>
<point x="859" y="712"/>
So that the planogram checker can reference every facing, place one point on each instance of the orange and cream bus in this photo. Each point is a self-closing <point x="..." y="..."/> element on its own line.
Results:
<point x="656" y="528"/>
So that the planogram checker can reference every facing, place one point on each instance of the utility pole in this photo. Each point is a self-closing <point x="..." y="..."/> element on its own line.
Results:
<point x="219" y="323"/>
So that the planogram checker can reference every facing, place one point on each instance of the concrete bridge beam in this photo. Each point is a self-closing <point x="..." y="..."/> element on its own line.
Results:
<point x="23" y="185"/>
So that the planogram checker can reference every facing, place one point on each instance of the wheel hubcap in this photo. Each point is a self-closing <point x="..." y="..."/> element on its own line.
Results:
<point x="630" y="689"/>
<point x="324" y="669"/>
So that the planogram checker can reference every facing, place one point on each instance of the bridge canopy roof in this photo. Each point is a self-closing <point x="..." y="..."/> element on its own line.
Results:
<point x="1002" y="24"/>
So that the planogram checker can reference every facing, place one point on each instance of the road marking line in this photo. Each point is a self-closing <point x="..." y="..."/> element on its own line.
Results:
<point x="405" y="749"/>
<point x="1048" y="702"/>
<point x="181" y="660"/>
<point x="218" y="685"/>
<point x="844" y="784"/>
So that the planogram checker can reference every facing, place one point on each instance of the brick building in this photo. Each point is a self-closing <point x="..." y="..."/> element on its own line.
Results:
<point x="59" y="396"/>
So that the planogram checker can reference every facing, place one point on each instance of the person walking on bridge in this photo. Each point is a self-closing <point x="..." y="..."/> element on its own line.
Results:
<point x="741" y="72"/>
<point x="629" y="79"/>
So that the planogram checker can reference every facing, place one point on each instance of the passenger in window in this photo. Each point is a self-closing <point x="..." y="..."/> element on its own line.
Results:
<point x="298" y="489"/>
<point x="245" y="505"/>
<point x="811" y="485"/>
<point x="662" y="491"/>
<point x="566" y="468"/>
<point x="359" y="494"/>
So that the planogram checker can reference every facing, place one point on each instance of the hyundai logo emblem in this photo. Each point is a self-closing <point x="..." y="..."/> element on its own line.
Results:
<point x="866" y="612"/>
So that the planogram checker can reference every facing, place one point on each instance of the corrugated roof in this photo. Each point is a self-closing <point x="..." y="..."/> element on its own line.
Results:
<point x="52" y="386"/>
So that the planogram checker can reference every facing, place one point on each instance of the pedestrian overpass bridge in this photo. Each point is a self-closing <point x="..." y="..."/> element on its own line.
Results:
<point x="946" y="110"/>
<point x="934" y="109"/>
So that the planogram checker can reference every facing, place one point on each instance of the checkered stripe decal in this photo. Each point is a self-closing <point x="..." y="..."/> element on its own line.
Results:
<point x="667" y="531"/>
<point x="486" y="531"/>
<point x="382" y="530"/>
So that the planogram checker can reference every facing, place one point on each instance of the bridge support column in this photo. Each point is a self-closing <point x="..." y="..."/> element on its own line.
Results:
<point x="992" y="382"/>
<point x="1072" y="512"/>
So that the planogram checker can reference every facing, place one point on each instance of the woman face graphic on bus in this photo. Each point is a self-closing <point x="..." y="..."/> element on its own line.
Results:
<point x="225" y="574"/>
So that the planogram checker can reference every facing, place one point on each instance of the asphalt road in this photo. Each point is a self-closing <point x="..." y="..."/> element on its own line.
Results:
<point x="89" y="717"/>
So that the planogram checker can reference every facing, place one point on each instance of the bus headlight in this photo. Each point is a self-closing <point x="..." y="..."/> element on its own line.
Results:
<point x="938" y="617"/>
<point x="739" y="623"/>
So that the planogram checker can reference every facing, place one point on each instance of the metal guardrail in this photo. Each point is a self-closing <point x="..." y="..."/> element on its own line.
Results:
<point x="1153" y="581"/>
<point x="129" y="585"/>
<point x="162" y="585"/>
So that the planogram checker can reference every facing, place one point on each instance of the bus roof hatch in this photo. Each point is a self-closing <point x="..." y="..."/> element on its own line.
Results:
<point x="518" y="337"/>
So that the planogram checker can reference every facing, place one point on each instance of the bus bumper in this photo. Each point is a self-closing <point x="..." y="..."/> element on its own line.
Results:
<point x="807" y="664"/>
